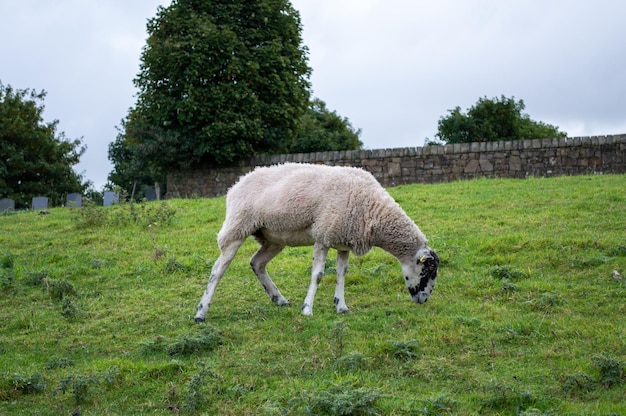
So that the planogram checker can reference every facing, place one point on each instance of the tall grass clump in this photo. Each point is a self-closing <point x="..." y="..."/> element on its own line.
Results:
<point x="7" y="272"/>
<point x="343" y="400"/>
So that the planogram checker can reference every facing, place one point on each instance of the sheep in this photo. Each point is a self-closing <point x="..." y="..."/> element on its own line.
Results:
<point x="343" y="208"/>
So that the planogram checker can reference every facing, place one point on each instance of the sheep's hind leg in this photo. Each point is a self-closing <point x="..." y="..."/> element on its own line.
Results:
<point x="258" y="262"/>
<point x="228" y="251"/>
<point x="319" y="259"/>
<point x="342" y="267"/>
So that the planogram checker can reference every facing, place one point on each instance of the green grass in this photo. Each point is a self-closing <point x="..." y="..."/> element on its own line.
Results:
<point x="97" y="306"/>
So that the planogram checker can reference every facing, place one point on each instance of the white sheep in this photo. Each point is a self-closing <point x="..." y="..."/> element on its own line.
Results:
<point x="343" y="208"/>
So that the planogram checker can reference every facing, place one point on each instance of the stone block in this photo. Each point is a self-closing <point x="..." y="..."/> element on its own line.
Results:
<point x="74" y="200"/>
<point x="111" y="198"/>
<point x="39" y="203"/>
<point x="7" y="204"/>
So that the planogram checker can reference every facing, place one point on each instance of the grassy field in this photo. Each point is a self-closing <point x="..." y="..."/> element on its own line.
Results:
<point x="97" y="306"/>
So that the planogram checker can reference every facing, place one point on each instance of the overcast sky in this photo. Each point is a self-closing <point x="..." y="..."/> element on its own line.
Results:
<point x="393" y="67"/>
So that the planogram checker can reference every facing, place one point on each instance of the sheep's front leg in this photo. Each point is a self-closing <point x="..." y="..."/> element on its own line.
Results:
<point x="342" y="267"/>
<point x="228" y="251"/>
<point x="258" y="262"/>
<point x="319" y="259"/>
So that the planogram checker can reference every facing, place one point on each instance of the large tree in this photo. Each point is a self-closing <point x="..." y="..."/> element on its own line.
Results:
<point x="35" y="160"/>
<point x="492" y="120"/>
<point x="321" y="130"/>
<point x="218" y="80"/>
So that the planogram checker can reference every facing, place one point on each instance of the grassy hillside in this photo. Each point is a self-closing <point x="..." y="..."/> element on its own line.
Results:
<point x="97" y="306"/>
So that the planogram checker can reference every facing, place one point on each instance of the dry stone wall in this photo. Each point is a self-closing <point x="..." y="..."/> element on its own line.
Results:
<point x="431" y="164"/>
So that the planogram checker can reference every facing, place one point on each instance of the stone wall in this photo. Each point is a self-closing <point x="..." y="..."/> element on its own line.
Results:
<point x="430" y="164"/>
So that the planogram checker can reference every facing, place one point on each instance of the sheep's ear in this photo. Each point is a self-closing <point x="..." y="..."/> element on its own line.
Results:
<point x="429" y="259"/>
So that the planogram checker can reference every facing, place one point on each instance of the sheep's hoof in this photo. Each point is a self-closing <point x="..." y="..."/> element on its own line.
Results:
<point x="343" y="310"/>
<point x="199" y="320"/>
<point x="307" y="310"/>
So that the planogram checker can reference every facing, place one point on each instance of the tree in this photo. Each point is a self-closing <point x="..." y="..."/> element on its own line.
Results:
<point x="34" y="159"/>
<point x="492" y="120"/>
<point x="130" y="170"/>
<point x="219" y="80"/>
<point x="322" y="130"/>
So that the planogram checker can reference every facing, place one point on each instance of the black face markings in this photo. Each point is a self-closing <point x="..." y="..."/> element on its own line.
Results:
<point x="414" y="291"/>
<point x="430" y="264"/>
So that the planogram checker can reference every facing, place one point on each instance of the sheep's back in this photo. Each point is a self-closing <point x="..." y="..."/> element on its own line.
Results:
<point x="297" y="196"/>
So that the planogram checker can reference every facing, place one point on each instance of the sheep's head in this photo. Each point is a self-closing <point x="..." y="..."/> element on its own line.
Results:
<point x="420" y="274"/>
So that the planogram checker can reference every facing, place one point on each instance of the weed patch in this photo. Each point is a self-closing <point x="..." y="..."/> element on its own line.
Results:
<point x="618" y="251"/>
<point x="59" y="289"/>
<point x="609" y="373"/>
<point x="441" y="405"/>
<point x="84" y="387"/>
<point x="59" y="362"/>
<point x="206" y="341"/>
<point x="351" y="362"/>
<point x="195" y="394"/>
<point x="342" y="400"/>
<point x="7" y="272"/>
<point x="545" y="303"/>
<point x="401" y="350"/>
<point x="17" y="384"/>
<point x="36" y="278"/>
<point x="507" y="273"/>
<point x="506" y="398"/>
